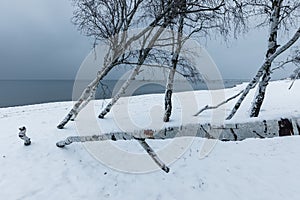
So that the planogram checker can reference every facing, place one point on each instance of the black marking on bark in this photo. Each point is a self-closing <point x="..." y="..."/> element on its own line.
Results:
<point x="168" y="105"/>
<point x="298" y="127"/>
<point x="225" y="140"/>
<point x="260" y="136"/>
<point x="23" y="136"/>
<point x="233" y="133"/>
<point x="101" y="116"/>
<point x="285" y="127"/>
<point x="266" y="126"/>
<point x="207" y="135"/>
<point x="113" y="138"/>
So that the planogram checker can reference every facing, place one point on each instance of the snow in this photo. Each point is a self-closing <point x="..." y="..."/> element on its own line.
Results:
<point x="249" y="169"/>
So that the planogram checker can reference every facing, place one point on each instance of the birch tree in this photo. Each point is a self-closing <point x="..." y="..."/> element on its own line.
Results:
<point x="196" y="18"/>
<point x="170" y="81"/>
<point x="148" y="43"/>
<point x="200" y="19"/>
<point x="109" y="21"/>
<point x="278" y="16"/>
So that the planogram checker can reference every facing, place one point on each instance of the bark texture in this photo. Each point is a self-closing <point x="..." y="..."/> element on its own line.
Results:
<point x="85" y="97"/>
<point x="153" y="155"/>
<point x="227" y="132"/>
<point x="272" y="47"/>
<point x="170" y="82"/>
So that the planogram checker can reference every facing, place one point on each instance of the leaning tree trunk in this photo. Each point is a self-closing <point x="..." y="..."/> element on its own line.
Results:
<point x="259" y="98"/>
<point x="120" y="92"/>
<point x="85" y="96"/>
<point x="272" y="47"/>
<point x="84" y="104"/>
<point x="170" y="83"/>
<point x="142" y="57"/>
<point x="255" y="80"/>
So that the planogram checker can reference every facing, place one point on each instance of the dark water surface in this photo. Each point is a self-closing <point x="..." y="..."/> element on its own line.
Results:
<point x="26" y="92"/>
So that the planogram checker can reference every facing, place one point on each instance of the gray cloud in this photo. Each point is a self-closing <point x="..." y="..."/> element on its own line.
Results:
<point x="38" y="41"/>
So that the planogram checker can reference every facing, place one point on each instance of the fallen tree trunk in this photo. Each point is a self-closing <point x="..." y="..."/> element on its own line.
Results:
<point x="227" y="132"/>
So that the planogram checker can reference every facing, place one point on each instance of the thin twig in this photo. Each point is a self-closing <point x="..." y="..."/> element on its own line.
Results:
<point x="207" y="107"/>
<point x="294" y="81"/>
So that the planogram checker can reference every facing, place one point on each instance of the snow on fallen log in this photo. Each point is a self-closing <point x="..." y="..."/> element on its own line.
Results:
<point x="227" y="132"/>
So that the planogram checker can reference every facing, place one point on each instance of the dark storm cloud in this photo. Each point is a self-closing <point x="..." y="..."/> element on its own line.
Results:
<point x="38" y="41"/>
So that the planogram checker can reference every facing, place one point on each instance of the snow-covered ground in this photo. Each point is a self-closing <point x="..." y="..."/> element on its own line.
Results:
<point x="250" y="169"/>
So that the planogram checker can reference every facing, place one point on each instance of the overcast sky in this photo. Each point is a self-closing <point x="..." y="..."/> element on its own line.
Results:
<point x="38" y="41"/>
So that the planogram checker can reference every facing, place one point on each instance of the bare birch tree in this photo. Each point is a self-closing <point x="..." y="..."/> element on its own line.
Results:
<point x="103" y="20"/>
<point x="278" y="15"/>
<point x="200" y="19"/>
<point x="109" y="21"/>
<point x="148" y="43"/>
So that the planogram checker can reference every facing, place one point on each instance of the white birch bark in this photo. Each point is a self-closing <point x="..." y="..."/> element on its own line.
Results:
<point x="153" y="155"/>
<point x="86" y="102"/>
<point x="272" y="47"/>
<point x="229" y="132"/>
<point x="85" y="96"/>
<point x="170" y="82"/>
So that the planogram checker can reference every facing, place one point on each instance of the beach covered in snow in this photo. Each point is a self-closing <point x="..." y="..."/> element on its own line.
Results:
<point x="248" y="169"/>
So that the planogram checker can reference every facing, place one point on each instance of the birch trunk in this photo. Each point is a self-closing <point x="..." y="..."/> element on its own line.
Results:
<point x="227" y="132"/>
<point x="142" y="57"/>
<point x="153" y="155"/>
<point x="170" y="82"/>
<point x="120" y="92"/>
<point x="272" y="47"/>
<point x="85" y="103"/>
<point x="260" y="72"/>
<point x="85" y="96"/>
<point x="260" y="96"/>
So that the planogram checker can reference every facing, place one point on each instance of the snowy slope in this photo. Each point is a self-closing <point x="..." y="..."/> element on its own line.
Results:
<point x="250" y="169"/>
